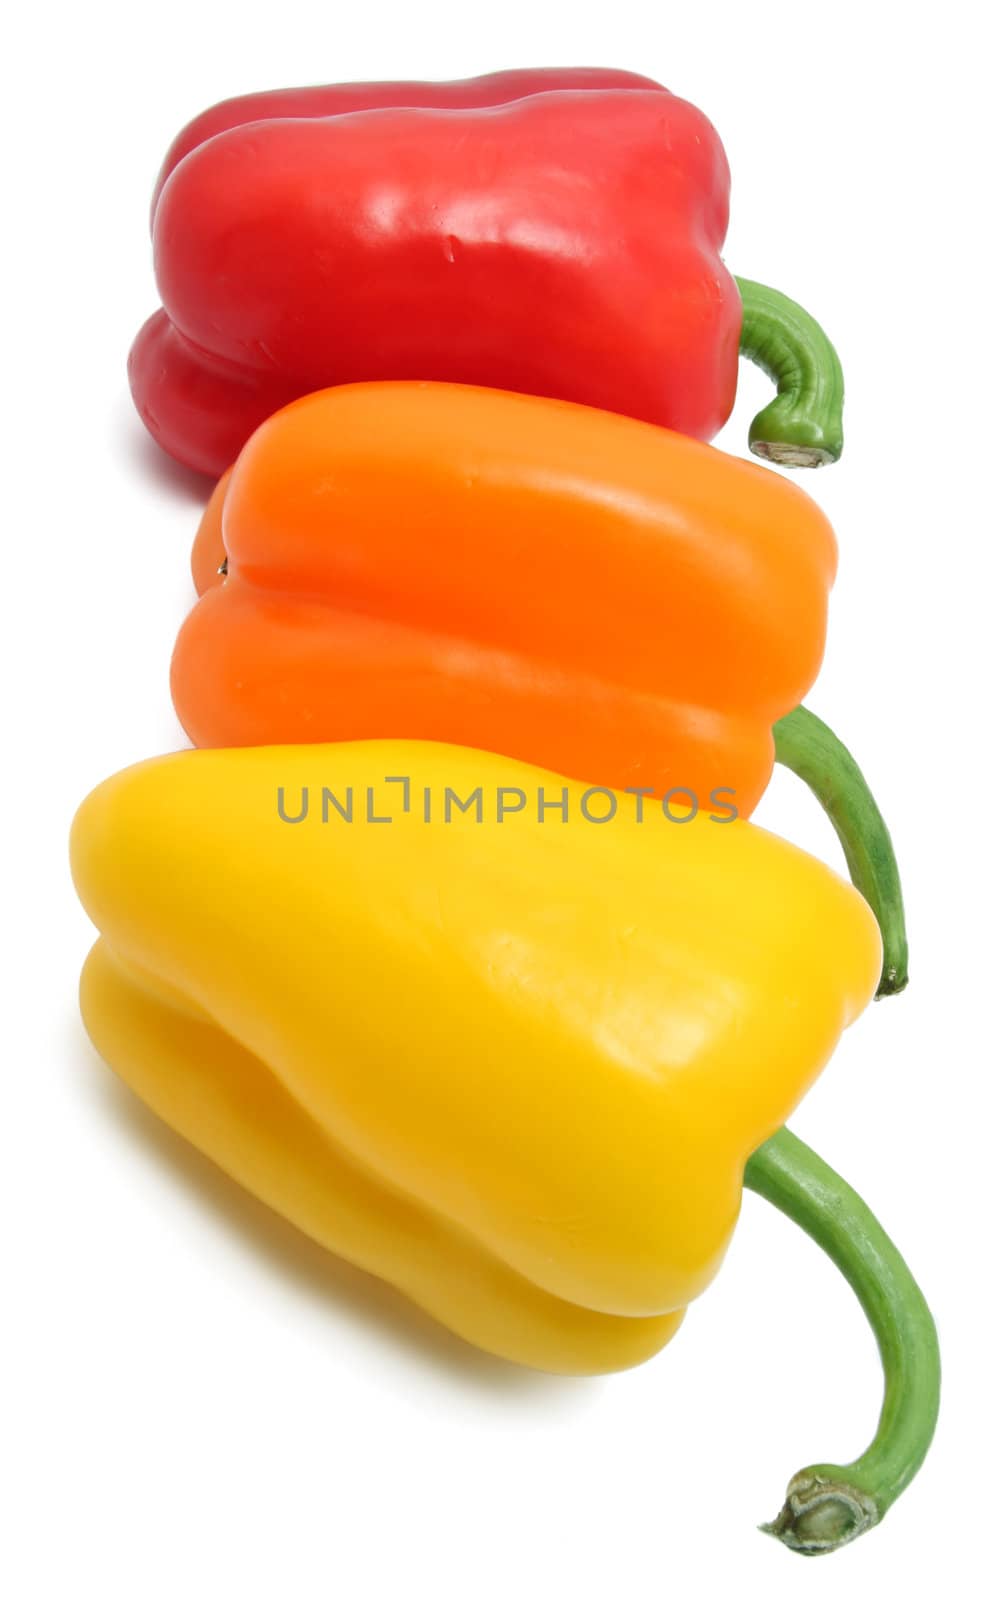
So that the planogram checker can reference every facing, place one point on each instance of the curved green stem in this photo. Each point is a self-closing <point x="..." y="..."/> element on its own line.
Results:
<point x="812" y="750"/>
<point x="803" y="426"/>
<point x="827" y="1506"/>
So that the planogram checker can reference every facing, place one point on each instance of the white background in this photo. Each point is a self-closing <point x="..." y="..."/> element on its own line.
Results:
<point x="197" y="1402"/>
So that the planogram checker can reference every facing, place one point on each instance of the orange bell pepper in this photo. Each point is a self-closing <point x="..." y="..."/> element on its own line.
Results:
<point x="589" y="593"/>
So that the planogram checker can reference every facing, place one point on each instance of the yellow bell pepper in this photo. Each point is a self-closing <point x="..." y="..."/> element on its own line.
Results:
<point x="551" y="1044"/>
<point x="502" y="1040"/>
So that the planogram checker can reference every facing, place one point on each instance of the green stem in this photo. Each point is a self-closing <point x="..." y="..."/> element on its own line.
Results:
<point x="812" y="750"/>
<point x="803" y="426"/>
<point x="827" y="1506"/>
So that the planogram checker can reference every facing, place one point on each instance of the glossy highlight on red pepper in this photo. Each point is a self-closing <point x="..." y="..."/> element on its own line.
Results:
<point x="336" y="99"/>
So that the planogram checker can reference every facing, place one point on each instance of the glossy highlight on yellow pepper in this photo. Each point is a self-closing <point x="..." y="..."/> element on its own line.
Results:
<point x="514" y="1065"/>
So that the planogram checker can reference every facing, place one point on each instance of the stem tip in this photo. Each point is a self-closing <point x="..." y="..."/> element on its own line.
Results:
<point x="893" y="981"/>
<point x="791" y="455"/>
<point x="821" y="1514"/>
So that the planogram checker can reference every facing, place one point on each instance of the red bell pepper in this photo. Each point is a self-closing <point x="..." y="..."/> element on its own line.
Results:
<point x="553" y="232"/>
